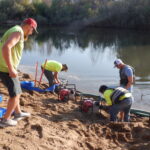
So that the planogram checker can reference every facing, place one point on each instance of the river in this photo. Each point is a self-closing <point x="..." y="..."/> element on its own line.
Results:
<point x="89" y="54"/>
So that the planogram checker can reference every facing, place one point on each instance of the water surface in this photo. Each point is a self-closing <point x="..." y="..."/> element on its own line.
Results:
<point x="90" y="54"/>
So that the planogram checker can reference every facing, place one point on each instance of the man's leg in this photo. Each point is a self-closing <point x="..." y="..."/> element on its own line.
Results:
<point x="18" y="109"/>
<point x="49" y="76"/>
<point x="127" y="110"/>
<point x="121" y="116"/>
<point x="18" y="115"/>
<point x="13" y="104"/>
<point x="14" y="89"/>
<point x="124" y="106"/>
<point x="114" y="110"/>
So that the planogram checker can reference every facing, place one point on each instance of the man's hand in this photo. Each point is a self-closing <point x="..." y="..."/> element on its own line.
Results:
<point x="13" y="73"/>
<point x="57" y="82"/>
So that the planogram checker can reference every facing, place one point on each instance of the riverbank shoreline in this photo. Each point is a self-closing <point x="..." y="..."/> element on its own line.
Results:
<point x="90" y="85"/>
<point x="60" y="125"/>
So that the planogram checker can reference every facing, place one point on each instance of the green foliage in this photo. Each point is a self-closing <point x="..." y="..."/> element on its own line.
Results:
<point x="125" y="14"/>
<point x="101" y="13"/>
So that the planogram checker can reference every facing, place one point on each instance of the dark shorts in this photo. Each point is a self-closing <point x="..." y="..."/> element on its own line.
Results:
<point x="12" y="84"/>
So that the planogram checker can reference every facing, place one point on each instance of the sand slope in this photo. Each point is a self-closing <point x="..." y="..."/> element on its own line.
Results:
<point x="56" y="125"/>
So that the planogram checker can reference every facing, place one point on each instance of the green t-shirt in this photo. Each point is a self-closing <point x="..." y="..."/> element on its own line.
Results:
<point x="16" y="51"/>
<point x="53" y="66"/>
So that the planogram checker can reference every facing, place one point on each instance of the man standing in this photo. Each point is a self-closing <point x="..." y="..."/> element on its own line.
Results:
<point x="11" y="47"/>
<point x="126" y="74"/>
<point x="51" y="70"/>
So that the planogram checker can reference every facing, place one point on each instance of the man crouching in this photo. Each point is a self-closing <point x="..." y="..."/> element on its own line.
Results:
<point x="118" y="100"/>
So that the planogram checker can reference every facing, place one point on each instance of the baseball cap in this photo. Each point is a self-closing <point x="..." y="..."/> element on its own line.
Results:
<point x="31" y="22"/>
<point x="118" y="62"/>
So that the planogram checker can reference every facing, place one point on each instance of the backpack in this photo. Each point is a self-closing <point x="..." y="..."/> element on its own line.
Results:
<point x="118" y="92"/>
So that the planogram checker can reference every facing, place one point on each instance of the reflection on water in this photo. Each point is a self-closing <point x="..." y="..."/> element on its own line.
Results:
<point x="90" y="54"/>
<point x="131" y="46"/>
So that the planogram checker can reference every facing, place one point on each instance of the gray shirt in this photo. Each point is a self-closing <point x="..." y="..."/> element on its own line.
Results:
<point x="125" y="72"/>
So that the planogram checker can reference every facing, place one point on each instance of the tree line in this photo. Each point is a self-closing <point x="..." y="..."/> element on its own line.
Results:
<point x="79" y="13"/>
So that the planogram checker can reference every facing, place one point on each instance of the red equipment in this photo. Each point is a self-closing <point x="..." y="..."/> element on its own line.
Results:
<point x="64" y="94"/>
<point x="86" y="105"/>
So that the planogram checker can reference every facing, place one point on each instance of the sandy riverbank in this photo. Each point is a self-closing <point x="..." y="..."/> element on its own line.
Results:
<point x="56" y="125"/>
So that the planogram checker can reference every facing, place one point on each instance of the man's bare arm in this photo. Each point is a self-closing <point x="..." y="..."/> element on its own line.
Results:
<point x="56" y="77"/>
<point x="130" y="82"/>
<point x="6" y="52"/>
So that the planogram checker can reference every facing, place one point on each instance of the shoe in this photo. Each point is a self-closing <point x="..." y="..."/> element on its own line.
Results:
<point x="7" y="122"/>
<point x="21" y="116"/>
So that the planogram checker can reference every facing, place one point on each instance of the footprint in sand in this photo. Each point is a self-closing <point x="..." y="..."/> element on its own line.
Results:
<point x="39" y="129"/>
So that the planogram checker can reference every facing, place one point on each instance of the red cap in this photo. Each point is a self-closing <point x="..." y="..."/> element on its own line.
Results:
<point x="31" y="22"/>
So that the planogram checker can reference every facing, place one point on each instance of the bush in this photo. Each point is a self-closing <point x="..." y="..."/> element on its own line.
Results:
<point x="108" y="13"/>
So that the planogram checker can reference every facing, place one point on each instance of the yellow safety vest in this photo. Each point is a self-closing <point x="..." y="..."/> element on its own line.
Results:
<point x="108" y="93"/>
